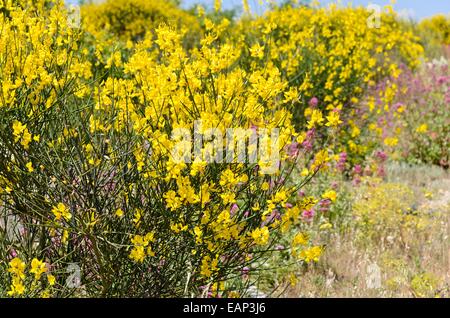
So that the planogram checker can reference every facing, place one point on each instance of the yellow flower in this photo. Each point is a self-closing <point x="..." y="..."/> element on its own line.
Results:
<point x="293" y="280"/>
<point x="428" y="194"/>
<point x="172" y="201"/>
<point x="141" y="247"/>
<point x="198" y="235"/>
<point x="333" y="119"/>
<point x="311" y="254"/>
<point x="316" y="119"/>
<point x="326" y="226"/>
<point x="305" y="172"/>
<point x="61" y="212"/>
<point x="37" y="268"/>
<point x="257" y="51"/>
<point x="391" y="141"/>
<point x="228" y="198"/>
<point x="45" y="294"/>
<point x="217" y="5"/>
<point x="228" y="179"/>
<point x="261" y="236"/>
<point x="18" y="129"/>
<point x="300" y="239"/>
<point x="29" y="166"/>
<point x="208" y="266"/>
<point x="51" y="279"/>
<point x="65" y="236"/>
<point x="17" y="270"/>
<point x="138" y="254"/>
<point x="17" y="267"/>
<point x="119" y="213"/>
<point x="330" y="195"/>
<point x="422" y="128"/>
<point x="26" y="139"/>
<point x="137" y="217"/>
<point x="177" y="228"/>
<point x="246" y="6"/>
<point x="355" y="132"/>
<point x="256" y="207"/>
<point x="20" y="132"/>
<point x="17" y="287"/>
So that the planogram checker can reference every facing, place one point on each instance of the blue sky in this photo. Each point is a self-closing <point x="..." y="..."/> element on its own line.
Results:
<point x="416" y="8"/>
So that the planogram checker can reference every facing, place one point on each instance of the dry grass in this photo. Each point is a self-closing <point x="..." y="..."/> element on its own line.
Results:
<point x="415" y="263"/>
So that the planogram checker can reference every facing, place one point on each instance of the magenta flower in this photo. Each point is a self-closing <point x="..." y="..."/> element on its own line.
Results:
<point x="308" y="215"/>
<point x="234" y="209"/>
<point x="314" y="102"/>
<point x="13" y="253"/>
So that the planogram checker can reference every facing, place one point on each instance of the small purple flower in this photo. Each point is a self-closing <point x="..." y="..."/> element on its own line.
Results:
<point x="381" y="155"/>
<point x="13" y="253"/>
<point x="293" y="149"/>
<point x="342" y="160"/>
<point x="308" y="215"/>
<point x="307" y="145"/>
<point x="310" y="133"/>
<point x="234" y="209"/>
<point x="325" y="205"/>
<point x="356" y="181"/>
<point x="381" y="171"/>
<point x="314" y="102"/>
<point x="275" y="215"/>
<point x="442" y="80"/>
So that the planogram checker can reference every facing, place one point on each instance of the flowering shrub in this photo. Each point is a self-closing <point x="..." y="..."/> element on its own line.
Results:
<point x="425" y="285"/>
<point x="426" y="95"/>
<point x="132" y="19"/>
<point x="119" y="174"/>
<point x="330" y="57"/>
<point x="415" y="128"/>
<point x="435" y="34"/>
<point x="437" y="29"/>
<point x="89" y="175"/>
<point x="383" y="217"/>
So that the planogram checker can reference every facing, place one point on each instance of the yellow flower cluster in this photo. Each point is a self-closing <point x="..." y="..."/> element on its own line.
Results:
<point x="33" y="52"/>
<point x="17" y="270"/>
<point x="436" y="29"/>
<point x="101" y="121"/>
<point x="141" y="247"/>
<point x="61" y="212"/>
<point x="379" y="214"/>
<point x="174" y="91"/>
<point x="21" y="134"/>
<point x="330" y="57"/>
<point x="132" y="19"/>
